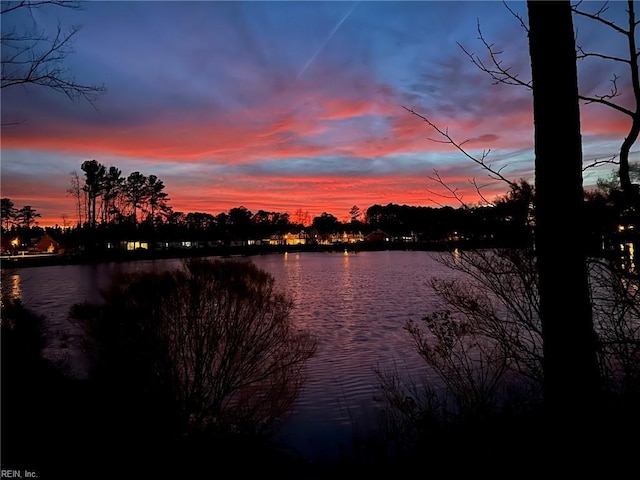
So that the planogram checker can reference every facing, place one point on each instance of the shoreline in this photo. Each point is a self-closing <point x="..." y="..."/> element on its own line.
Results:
<point x="28" y="260"/>
<point x="50" y="259"/>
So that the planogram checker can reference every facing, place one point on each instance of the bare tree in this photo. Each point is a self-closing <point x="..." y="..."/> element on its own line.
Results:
<point x="483" y="352"/>
<point x="616" y="309"/>
<point x="75" y="191"/>
<point x="565" y="327"/>
<point x="495" y="68"/>
<point x="32" y="57"/>
<point x="631" y="61"/>
<point x="301" y="217"/>
<point x="482" y="161"/>
<point x="556" y="183"/>
<point x="215" y="336"/>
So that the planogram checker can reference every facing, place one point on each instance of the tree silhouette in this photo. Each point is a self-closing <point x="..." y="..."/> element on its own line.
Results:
<point x="157" y="198"/>
<point x="354" y="214"/>
<point x="326" y="222"/>
<point x="136" y="192"/>
<point x="94" y="173"/>
<point x="570" y="360"/>
<point x="502" y="74"/>
<point x="571" y="382"/>
<point x="566" y="315"/>
<point x="26" y="216"/>
<point x="239" y="222"/>
<point x="111" y="190"/>
<point x="8" y="212"/>
<point x="75" y="191"/>
<point x="631" y="61"/>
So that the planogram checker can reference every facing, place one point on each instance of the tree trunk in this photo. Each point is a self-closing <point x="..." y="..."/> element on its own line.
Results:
<point x="628" y="188"/>
<point x="570" y="358"/>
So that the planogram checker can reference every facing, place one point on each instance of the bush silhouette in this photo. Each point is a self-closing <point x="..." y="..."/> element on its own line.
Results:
<point x="204" y="353"/>
<point x="483" y="352"/>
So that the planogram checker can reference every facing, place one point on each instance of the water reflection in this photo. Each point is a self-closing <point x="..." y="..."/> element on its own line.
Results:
<point x="10" y="285"/>
<point x="628" y="257"/>
<point x="16" y="292"/>
<point x="355" y="304"/>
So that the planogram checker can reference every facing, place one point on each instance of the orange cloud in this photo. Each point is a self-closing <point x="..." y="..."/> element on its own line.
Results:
<point x="313" y="195"/>
<point x="304" y="135"/>
<point x="312" y="125"/>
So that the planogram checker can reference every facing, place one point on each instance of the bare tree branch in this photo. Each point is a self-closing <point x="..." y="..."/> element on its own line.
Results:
<point x="495" y="69"/>
<point x="502" y="75"/>
<point x="583" y="54"/>
<point x="454" y="191"/>
<point x="479" y="191"/>
<point x="523" y="24"/>
<point x="10" y="6"/>
<point x="493" y="173"/>
<point x="628" y="188"/>
<point x="34" y="58"/>
<point x="598" y="17"/>
<point x="597" y="162"/>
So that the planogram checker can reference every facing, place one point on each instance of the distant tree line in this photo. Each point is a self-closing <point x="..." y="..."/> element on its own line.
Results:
<point x="112" y="207"/>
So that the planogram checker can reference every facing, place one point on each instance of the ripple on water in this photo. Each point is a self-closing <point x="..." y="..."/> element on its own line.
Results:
<point x="356" y="306"/>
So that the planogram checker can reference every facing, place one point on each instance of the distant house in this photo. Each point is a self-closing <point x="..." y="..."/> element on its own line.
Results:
<point x="377" y="236"/>
<point x="346" y="237"/>
<point x="290" y="238"/>
<point x="295" y="238"/>
<point x="277" y="239"/>
<point x="128" y="245"/>
<point x="135" y="245"/>
<point x="48" y="245"/>
<point x="10" y="245"/>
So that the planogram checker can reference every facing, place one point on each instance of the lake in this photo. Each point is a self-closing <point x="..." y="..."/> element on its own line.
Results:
<point x="356" y="304"/>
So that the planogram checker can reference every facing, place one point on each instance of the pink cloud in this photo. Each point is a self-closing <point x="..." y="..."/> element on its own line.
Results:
<point x="299" y="120"/>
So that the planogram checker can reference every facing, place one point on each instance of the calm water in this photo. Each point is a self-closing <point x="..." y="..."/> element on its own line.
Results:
<point x="355" y="303"/>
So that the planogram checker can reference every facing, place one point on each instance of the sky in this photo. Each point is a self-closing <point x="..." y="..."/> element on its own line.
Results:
<point x="292" y="106"/>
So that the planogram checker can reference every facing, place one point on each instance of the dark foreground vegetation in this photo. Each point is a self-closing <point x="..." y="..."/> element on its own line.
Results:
<point x="194" y="370"/>
<point x="485" y="345"/>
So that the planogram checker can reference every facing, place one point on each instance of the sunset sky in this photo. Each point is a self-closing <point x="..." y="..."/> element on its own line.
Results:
<point x="287" y="106"/>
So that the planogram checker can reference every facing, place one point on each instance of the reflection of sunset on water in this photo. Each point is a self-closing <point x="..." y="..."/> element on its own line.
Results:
<point x="11" y="287"/>
<point x="627" y="251"/>
<point x="15" y="286"/>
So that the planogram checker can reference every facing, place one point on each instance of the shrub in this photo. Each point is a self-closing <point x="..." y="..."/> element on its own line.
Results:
<point x="209" y="348"/>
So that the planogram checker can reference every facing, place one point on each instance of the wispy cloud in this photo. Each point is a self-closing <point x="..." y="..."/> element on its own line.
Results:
<point x="284" y="105"/>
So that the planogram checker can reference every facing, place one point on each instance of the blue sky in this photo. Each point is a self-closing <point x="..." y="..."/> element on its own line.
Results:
<point x="290" y="106"/>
